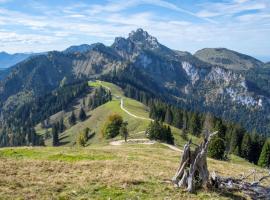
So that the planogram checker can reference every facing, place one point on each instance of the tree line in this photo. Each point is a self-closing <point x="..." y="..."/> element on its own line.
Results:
<point x="98" y="97"/>
<point x="18" y="125"/>
<point x="231" y="138"/>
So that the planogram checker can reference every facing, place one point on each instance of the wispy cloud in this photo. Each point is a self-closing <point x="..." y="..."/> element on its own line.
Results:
<point x="230" y="8"/>
<point x="229" y="24"/>
<point x="116" y="6"/>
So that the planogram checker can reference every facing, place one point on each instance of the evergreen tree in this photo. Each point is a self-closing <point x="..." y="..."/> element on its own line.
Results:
<point x="169" y="136"/>
<point x="178" y="118"/>
<point x="195" y="124"/>
<point x="168" y="116"/>
<point x="72" y="119"/>
<point x="246" y="147"/>
<point x="61" y="125"/>
<point x="264" y="160"/>
<point x="257" y="145"/>
<point x="220" y="127"/>
<point x="55" y="135"/>
<point x="82" y="115"/>
<point x="216" y="148"/>
<point x="158" y="131"/>
<point x="236" y="140"/>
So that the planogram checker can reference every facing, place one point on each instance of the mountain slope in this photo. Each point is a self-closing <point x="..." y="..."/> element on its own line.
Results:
<point x="132" y="111"/>
<point x="177" y="77"/>
<point x="228" y="59"/>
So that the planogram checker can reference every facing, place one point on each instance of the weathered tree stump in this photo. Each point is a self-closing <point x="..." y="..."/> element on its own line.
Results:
<point x="192" y="171"/>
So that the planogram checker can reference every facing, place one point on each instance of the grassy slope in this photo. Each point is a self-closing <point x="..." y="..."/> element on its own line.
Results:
<point x="100" y="172"/>
<point x="98" y="116"/>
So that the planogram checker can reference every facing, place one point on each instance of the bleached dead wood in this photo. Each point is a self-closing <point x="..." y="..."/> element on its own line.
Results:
<point x="193" y="171"/>
<point x="254" y="189"/>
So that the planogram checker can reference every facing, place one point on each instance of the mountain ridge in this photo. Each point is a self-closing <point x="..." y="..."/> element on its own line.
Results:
<point x="180" y="77"/>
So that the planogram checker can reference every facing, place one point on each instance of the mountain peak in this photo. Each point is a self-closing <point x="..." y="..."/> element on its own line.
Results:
<point x="141" y="36"/>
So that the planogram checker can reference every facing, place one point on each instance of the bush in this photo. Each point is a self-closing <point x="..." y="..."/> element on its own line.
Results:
<point x="83" y="137"/>
<point x="123" y="130"/>
<point x="112" y="126"/>
<point x="81" y="140"/>
<point x="216" y="148"/>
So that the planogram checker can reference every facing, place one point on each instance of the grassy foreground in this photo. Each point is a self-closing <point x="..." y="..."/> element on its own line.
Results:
<point x="101" y="172"/>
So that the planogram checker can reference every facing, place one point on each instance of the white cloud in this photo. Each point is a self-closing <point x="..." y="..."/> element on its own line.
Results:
<point x="116" y="6"/>
<point x="60" y="27"/>
<point x="230" y="8"/>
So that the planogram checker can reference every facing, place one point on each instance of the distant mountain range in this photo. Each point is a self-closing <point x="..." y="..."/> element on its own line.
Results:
<point x="226" y="83"/>
<point x="8" y="60"/>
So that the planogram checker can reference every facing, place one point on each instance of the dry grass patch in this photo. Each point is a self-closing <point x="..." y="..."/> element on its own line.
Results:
<point x="135" y="172"/>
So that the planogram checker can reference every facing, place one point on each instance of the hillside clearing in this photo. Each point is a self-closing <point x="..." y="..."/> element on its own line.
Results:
<point x="134" y="112"/>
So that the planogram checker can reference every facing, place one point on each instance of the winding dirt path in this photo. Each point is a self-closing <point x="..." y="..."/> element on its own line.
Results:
<point x="137" y="141"/>
<point x="143" y="141"/>
<point x="132" y="115"/>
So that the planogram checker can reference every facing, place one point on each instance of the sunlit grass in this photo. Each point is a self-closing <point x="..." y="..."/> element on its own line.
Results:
<point x="101" y="172"/>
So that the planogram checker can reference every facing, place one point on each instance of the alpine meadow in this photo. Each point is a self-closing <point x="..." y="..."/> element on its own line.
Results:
<point x="134" y="99"/>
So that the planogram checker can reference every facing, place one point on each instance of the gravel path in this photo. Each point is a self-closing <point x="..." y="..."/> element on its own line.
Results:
<point x="143" y="141"/>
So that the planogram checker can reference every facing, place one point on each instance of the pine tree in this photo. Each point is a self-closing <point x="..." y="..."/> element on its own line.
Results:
<point x="195" y="125"/>
<point x="218" y="126"/>
<point x="216" y="148"/>
<point x="236" y="140"/>
<point x="169" y="136"/>
<point x="264" y="160"/>
<point x="158" y="131"/>
<point x="168" y="116"/>
<point x="82" y="115"/>
<point x="257" y="145"/>
<point x="55" y="135"/>
<point x="61" y="125"/>
<point x="246" y="147"/>
<point x="72" y="119"/>
<point x="178" y="119"/>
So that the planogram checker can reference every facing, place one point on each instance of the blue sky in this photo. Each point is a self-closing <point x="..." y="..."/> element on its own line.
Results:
<point x="188" y="25"/>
